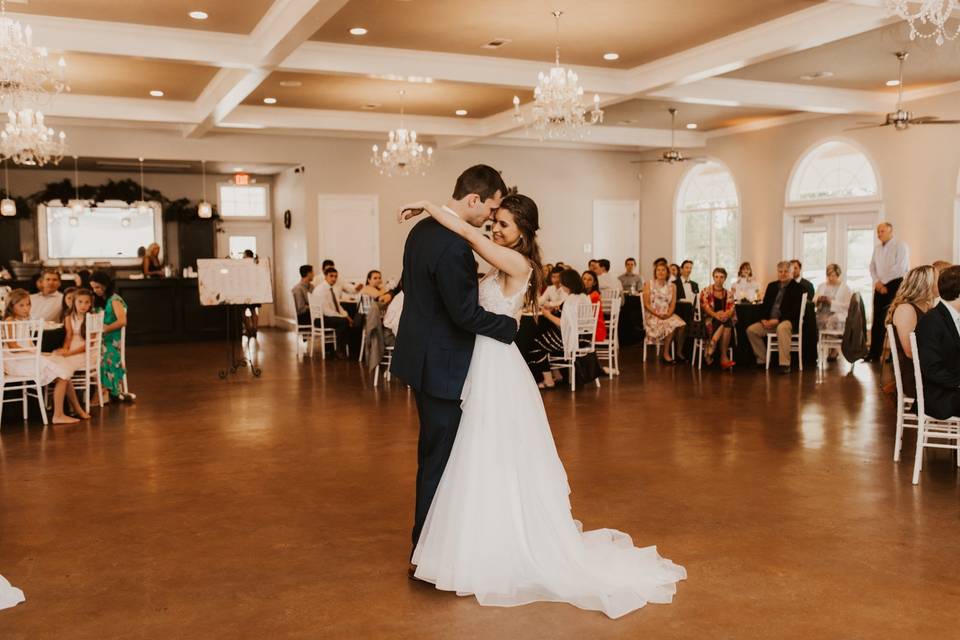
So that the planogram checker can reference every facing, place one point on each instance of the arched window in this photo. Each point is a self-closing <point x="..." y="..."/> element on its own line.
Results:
<point x="833" y="170"/>
<point x="708" y="221"/>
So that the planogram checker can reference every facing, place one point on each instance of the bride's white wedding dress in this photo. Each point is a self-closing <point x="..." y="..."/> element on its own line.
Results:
<point x="500" y="526"/>
<point x="9" y="596"/>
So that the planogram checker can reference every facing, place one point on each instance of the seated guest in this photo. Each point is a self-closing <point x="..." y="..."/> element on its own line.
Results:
<point x="941" y="265"/>
<point x="687" y="289"/>
<point x="630" y="280"/>
<point x="53" y="368"/>
<point x="832" y="300"/>
<point x="605" y="279"/>
<point x="780" y="313"/>
<point x="114" y="319"/>
<point x="84" y="276"/>
<point x="592" y="290"/>
<point x="593" y="265"/>
<point x="659" y="302"/>
<point x="47" y="304"/>
<point x="545" y="280"/>
<point x="915" y="298"/>
<point x="806" y="285"/>
<point x="301" y="294"/>
<point x="68" y="294"/>
<point x="553" y="296"/>
<point x="74" y="346"/>
<point x="343" y="286"/>
<point x="555" y="338"/>
<point x="938" y="340"/>
<point x="674" y="272"/>
<point x="335" y="317"/>
<point x="719" y="317"/>
<point x="745" y="287"/>
<point x="150" y="264"/>
<point x="373" y="286"/>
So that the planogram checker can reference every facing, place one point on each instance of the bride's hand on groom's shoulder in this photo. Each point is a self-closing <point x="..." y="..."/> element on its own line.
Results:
<point x="411" y="210"/>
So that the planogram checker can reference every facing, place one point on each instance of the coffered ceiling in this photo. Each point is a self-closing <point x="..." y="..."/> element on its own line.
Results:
<point x="726" y="65"/>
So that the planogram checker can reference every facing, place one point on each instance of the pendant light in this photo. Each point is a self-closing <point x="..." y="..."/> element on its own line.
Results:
<point x="76" y="205"/>
<point x="205" y="210"/>
<point x="7" y="206"/>
<point x="141" y="205"/>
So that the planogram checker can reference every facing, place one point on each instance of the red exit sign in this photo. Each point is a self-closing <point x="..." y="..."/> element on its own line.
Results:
<point x="241" y="178"/>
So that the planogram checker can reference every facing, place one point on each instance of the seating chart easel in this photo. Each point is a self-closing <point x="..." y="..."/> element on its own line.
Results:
<point x="234" y="284"/>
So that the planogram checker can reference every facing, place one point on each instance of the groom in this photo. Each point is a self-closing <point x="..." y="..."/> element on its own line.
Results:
<point x="441" y="318"/>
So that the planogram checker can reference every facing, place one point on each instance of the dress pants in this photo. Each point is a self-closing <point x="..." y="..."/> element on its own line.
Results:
<point x="340" y="325"/>
<point x="881" y="303"/>
<point x="757" y="334"/>
<point x="439" y="421"/>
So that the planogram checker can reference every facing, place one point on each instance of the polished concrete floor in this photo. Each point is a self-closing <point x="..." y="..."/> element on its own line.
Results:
<point x="280" y="508"/>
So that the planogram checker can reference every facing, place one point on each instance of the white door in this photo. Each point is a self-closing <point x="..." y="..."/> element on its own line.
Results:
<point x="846" y="239"/>
<point x="236" y="236"/>
<point x="350" y="234"/>
<point x="616" y="231"/>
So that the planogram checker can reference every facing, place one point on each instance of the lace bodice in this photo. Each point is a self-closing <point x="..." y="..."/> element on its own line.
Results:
<point x="493" y="300"/>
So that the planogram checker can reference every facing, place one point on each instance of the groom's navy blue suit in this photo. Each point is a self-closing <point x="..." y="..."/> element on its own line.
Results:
<point x="440" y="321"/>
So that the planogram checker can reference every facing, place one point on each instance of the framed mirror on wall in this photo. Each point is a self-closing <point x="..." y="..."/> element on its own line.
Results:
<point x="98" y="234"/>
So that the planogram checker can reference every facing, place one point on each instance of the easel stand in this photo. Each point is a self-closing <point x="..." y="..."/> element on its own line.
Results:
<point x="234" y="339"/>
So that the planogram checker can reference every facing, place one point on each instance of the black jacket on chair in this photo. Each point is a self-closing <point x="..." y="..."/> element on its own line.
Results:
<point x="938" y="344"/>
<point x="441" y="312"/>
<point x="789" y="306"/>
<point x="678" y="283"/>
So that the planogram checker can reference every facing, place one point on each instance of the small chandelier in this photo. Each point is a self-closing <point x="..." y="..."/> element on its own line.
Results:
<point x="929" y="19"/>
<point x="204" y="209"/>
<point x="7" y="206"/>
<point x="27" y="140"/>
<point x="141" y="205"/>
<point x="402" y="155"/>
<point x="25" y="71"/>
<point x="558" y="110"/>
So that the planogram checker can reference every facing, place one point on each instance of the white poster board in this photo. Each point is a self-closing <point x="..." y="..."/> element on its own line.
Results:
<point x="228" y="281"/>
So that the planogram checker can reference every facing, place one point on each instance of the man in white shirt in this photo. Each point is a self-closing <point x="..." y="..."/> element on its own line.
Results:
<point x="335" y="317"/>
<point x="344" y="287"/>
<point x="553" y="296"/>
<point x="890" y="262"/>
<point x="630" y="280"/>
<point x="687" y="289"/>
<point x="604" y="278"/>
<point x="48" y="303"/>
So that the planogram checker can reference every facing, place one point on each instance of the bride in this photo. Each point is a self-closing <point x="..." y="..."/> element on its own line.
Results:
<point x="500" y="526"/>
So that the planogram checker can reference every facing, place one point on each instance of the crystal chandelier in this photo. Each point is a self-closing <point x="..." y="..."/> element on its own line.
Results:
<point x="929" y="19"/>
<point x="25" y="70"/>
<point x="558" y="110"/>
<point x="402" y="155"/>
<point x="27" y="140"/>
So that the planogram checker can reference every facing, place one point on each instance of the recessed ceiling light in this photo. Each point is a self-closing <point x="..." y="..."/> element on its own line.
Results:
<point x="290" y="83"/>
<point x="269" y="101"/>
<point x="611" y="56"/>
<point x="156" y="93"/>
<point x="238" y="169"/>
<point x="893" y="83"/>
<point x="817" y="75"/>
<point x="692" y="125"/>
<point x="461" y="112"/>
<point x="358" y="31"/>
<point x="198" y="15"/>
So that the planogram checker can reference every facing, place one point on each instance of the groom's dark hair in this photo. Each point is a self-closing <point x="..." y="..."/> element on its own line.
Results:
<point x="480" y="179"/>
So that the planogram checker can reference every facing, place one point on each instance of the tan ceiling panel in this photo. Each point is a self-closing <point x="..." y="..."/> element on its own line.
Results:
<point x="864" y="61"/>
<point x="378" y="95"/>
<point x="653" y="114"/>
<point x="638" y="30"/>
<point x="103" y="75"/>
<point x="230" y="16"/>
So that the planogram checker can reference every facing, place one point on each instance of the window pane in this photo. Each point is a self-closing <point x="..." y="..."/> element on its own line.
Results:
<point x="834" y="170"/>
<point x="725" y="242"/>
<point x="813" y="255"/>
<point x="710" y="213"/>
<point x="243" y="200"/>
<point x="857" y="271"/>
<point x="239" y="244"/>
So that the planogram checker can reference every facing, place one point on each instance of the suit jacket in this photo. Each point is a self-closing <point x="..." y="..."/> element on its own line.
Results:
<point x="441" y="312"/>
<point x="938" y="344"/>
<point x="789" y="306"/>
<point x="808" y="288"/>
<point x="678" y="283"/>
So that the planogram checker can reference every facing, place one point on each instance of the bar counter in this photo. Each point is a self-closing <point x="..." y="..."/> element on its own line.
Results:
<point x="169" y="310"/>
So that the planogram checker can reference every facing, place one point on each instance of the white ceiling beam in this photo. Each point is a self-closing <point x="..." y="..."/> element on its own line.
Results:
<point x="285" y="26"/>
<point x="137" y="40"/>
<point x="364" y="121"/>
<point x="734" y="92"/>
<point x="69" y="105"/>
<point x="628" y="137"/>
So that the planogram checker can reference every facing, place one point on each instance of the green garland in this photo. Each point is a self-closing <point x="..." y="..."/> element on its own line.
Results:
<point x="179" y="210"/>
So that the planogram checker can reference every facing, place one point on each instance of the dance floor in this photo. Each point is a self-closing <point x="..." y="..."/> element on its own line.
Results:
<point x="281" y="507"/>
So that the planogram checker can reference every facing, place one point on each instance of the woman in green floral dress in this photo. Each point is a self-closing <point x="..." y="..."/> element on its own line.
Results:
<point x="114" y="319"/>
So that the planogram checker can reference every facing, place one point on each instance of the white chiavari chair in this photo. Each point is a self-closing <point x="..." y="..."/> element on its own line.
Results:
<point x="946" y="433"/>
<point x="609" y="350"/>
<point x="20" y="363"/>
<point x="363" y="308"/>
<point x="384" y="364"/>
<point x="906" y="418"/>
<point x="588" y="315"/>
<point x="649" y="341"/>
<point x="796" y="337"/>
<point x="88" y="377"/>
<point x="318" y="331"/>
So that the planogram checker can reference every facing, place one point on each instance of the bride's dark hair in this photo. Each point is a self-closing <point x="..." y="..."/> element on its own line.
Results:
<point x="527" y="218"/>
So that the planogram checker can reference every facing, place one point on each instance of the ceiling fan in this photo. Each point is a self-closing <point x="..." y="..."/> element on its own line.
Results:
<point x="901" y="119"/>
<point x="672" y="155"/>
